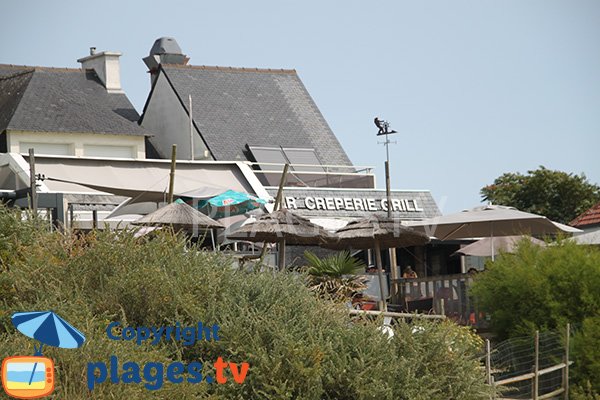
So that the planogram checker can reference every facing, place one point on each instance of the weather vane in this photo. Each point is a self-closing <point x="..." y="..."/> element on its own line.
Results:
<point x="384" y="127"/>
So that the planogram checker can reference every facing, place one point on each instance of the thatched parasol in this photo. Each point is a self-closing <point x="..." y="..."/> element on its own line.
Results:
<point x="178" y="215"/>
<point x="181" y="217"/>
<point x="282" y="226"/>
<point x="377" y="232"/>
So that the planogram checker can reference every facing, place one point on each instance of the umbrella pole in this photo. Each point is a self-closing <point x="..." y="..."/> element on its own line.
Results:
<point x="281" y="255"/>
<point x="382" y="303"/>
<point x="212" y="239"/>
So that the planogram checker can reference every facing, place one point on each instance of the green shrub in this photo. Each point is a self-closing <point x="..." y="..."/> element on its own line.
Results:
<point x="545" y="288"/>
<point x="298" y="346"/>
<point x="335" y="276"/>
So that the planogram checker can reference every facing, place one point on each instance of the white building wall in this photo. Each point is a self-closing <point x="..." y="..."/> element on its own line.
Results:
<point x="77" y="144"/>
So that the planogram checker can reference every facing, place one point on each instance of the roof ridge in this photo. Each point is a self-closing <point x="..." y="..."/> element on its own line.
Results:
<point x="232" y="69"/>
<point x="41" y="68"/>
<point x="17" y="74"/>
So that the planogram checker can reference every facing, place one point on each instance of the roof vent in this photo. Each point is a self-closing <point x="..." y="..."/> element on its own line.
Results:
<point x="165" y="45"/>
<point x="164" y="51"/>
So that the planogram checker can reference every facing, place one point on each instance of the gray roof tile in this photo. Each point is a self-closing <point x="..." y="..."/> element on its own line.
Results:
<point x="63" y="100"/>
<point x="235" y="107"/>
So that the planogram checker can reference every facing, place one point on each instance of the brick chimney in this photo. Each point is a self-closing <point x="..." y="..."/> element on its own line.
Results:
<point x="106" y="65"/>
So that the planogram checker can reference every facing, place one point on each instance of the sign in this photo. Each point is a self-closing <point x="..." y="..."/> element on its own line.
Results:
<point x="353" y="204"/>
<point x="357" y="203"/>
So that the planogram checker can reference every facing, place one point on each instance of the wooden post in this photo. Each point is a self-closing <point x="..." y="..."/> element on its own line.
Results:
<point x="172" y="174"/>
<point x="71" y="215"/>
<point x="32" y="183"/>
<point x="281" y="260"/>
<point x="276" y="206"/>
<point x="95" y="219"/>
<point x="536" y="367"/>
<point x="566" y="370"/>
<point x="279" y="197"/>
<point x="488" y="361"/>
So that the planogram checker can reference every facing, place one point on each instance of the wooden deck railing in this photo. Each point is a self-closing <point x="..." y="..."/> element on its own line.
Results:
<point x="447" y="295"/>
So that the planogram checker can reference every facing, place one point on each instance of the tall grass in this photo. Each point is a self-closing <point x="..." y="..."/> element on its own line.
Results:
<point x="298" y="347"/>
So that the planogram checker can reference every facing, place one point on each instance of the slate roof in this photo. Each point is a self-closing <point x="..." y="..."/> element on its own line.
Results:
<point x="41" y="99"/>
<point x="588" y="218"/>
<point x="235" y="107"/>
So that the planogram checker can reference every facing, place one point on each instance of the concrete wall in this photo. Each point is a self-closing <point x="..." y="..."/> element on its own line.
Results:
<point x="167" y="118"/>
<point x="77" y="144"/>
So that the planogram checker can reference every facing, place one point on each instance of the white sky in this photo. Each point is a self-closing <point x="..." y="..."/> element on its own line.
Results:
<point x="475" y="88"/>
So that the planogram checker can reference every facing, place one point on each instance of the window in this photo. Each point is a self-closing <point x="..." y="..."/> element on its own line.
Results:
<point x="100" y="150"/>
<point x="54" y="149"/>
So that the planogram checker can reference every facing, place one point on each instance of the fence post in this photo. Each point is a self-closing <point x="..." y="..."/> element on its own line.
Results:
<point x="536" y="366"/>
<point x="488" y="361"/>
<point x="566" y="370"/>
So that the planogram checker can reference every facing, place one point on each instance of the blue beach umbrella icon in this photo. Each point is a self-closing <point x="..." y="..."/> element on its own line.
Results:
<point x="49" y="329"/>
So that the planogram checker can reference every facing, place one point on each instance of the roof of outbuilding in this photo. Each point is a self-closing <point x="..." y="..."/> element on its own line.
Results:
<point x="41" y="99"/>
<point x="235" y="107"/>
<point x="589" y="217"/>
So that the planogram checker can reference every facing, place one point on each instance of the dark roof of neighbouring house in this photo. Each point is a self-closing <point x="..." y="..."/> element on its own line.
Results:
<point x="589" y="217"/>
<point x="42" y="99"/>
<point x="235" y="107"/>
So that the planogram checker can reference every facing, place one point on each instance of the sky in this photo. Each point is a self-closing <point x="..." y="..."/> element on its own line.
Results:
<point x="474" y="88"/>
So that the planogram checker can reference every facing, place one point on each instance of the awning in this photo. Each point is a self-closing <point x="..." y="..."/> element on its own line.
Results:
<point x="142" y="180"/>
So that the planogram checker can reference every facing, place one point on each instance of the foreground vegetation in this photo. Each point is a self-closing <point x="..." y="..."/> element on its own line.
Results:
<point x="545" y="288"/>
<point x="298" y="347"/>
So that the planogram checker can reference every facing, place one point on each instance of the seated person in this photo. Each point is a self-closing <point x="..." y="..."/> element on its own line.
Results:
<point x="409" y="273"/>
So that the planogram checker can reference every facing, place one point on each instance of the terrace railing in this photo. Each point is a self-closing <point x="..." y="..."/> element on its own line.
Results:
<point x="447" y="295"/>
<point x="312" y="175"/>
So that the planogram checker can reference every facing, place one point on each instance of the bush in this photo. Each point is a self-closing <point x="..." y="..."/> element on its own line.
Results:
<point x="298" y="346"/>
<point x="545" y="288"/>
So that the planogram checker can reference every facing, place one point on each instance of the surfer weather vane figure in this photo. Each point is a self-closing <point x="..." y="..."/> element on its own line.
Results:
<point x="384" y="127"/>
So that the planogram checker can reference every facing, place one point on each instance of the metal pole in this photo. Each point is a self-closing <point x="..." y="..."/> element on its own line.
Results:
<point x="536" y="367"/>
<point x="191" y="131"/>
<point x="32" y="183"/>
<point x="382" y="303"/>
<point x="566" y="370"/>
<point x="172" y="174"/>
<point x="488" y="361"/>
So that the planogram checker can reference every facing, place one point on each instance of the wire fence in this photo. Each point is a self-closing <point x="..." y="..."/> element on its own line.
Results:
<point x="532" y="367"/>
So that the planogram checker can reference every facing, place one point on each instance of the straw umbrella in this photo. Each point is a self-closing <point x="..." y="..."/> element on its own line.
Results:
<point x="380" y="233"/>
<point x="282" y="227"/>
<point x="181" y="217"/>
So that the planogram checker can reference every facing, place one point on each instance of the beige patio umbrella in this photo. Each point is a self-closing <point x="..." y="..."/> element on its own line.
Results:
<point x="282" y="227"/>
<point x="377" y="232"/>
<point x="181" y="217"/>
<point x="488" y="221"/>
<point x="507" y="244"/>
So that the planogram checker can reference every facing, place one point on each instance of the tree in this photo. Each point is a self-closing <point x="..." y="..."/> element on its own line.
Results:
<point x="557" y="195"/>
